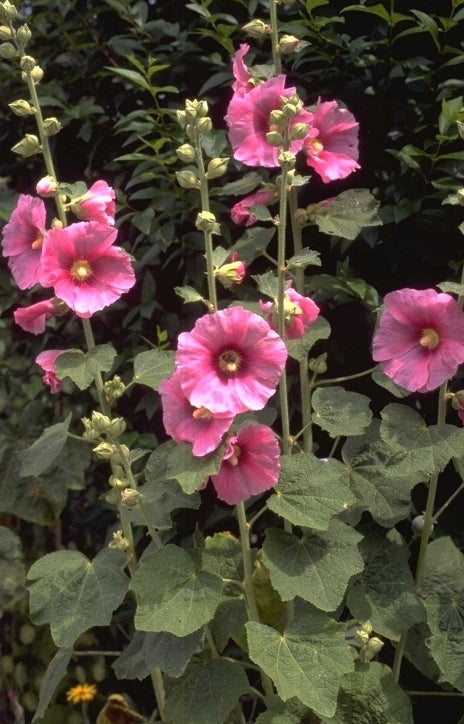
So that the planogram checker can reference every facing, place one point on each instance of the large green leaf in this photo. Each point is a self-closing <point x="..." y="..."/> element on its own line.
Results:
<point x="43" y="452"/>
<point x="443" y="592"/>
<point x="222" y="555"/>
<point x="310" y="491"/>
<point x="190" y="471"/>
<point x="299" y="348"/>
<point x="316" y="567"/>
<point x="56" y="671"/>
<point x="168" y="652"/>
<point x="72" y="593"/>
<point x="347" y="214"/>
<point x="307" y="661"/>
<point x="229" y="622"/>
<point x="12" y="572"/>
<point x="340" y="412"/>
<point x="207" y="692"/>
<point x="184" y="598"/>
<point x="370" y="695"/>
<point x="152" y="366"/>
<point x="384" y="593"/>
<point x="83" y="367"/>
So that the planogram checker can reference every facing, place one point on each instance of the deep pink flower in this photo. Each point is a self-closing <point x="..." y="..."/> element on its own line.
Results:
<point x="47" y="360"/>
<point x="97" y="204"/>
<point x="419" y="342"/>
<point x="333" y="152"/>
<point x="248" y="121"/>
<point x="240" y="70"/>
<point x="251" y="464"/>
<point x="33" y="318"/>
<point x="83" y="267"/>
<point x="240" y="213"/>
<point x="300" y="312"/>
<point x="22" y="240"/>
<point x="185" y="423"/>
<point x="230" y="362"/>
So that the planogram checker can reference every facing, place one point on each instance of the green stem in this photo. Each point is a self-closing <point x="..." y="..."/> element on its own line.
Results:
<point x="208" y="236"/>
<point x="450" y="500"/>
<point x="275" y="37"/>
<point x="158" y="685"/>
<point x="335" y="380"/>
<point x="281" y="279"/>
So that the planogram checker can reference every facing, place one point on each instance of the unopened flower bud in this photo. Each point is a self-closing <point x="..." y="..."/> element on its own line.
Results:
<point x="186" y="153"/>
<point x="130" y="497"/>
<point x="104" y="451"/>
<point x="22" y="108"/>
<point x="118" y="483"/>
<point x="23" y="35"/>
<point x="205" y="125"/>
<point x="362" y="637"/>
<point x="28" y="63"/>
<point x="202" y="109"/>
<point x="37" y="74"/>
<point x="181" y="118"/>
<point x="294" y="100"/>
<point x="114" y="388"/>
<point x="206" y="221"/>
<point x="119" y="543"/>
<point x="288" y="44"/>
<point x="290" y="110"/>
<point x="286" y="158"/>
<point x="46" y="187"/>
<point x="27" y="146"/>
<point x="367" y="627"/>
<point x="6" y="33"/>
<point x="216" y="167"/>
<point x="116" y="427"/>
<point x="8" y="51"/>
<point x="100" y="422"/>
<point x="299" y="131"/>
<point x="318" y="365"/>
<point x="89" y="432"/>
<point x="274" y="138"/>
<point x="417" y="524"/>
<point x="372" y="648"/>
<point x="52" y="126"/>
<point x="231" y="273"/>
<point x="7" y="11"/>
<point x="187" y="179"/>
<point x="256" y="28"/>
<point x="276" y="118"/>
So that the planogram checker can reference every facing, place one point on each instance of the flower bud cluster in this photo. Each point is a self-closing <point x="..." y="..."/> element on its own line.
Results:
<point x="114" y="389"/>
<point x="206" y="221"/>
<point x="364" y="646"/>
<point x="195" y="118"/>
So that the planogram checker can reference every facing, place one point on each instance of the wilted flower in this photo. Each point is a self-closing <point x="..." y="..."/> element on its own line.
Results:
<point x="300" y="312"/>
<point x="33" y="318"/>
<point x="333" y="151"/>
<point x="240" y="212"/>
<point x="23" y="236"/>
<point x="97" y="204"/>
<point x="47" y="360"/>
<point x="231" y="273"/>
<point x="240" y="70"/>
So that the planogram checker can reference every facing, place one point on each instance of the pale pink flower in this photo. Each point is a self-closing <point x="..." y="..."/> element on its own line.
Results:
<point x="240" y="212"/>
<point x="96" y="205"/>
<point x="47" y="360"/>
<point x="333" y="152"/>
<point x="46" y="187"/>
<point x="33" y="318"/>
<point x="185" y="423"/>
<point x="300" y="312"/>
<point x="419" y="342"/>
<point x="248" y="118"/>
<point x="22" y="240"/>
<point x="83" y="267"/>
<point x="240" y="70"/>
<point x="250" y="466"/>
<point x="231" y="273"/>
<point x="230" y="362"/>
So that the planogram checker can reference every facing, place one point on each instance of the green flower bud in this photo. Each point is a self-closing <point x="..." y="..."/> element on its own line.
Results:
<point x="37" y="74"/>
<point x="205" y="125"/>
<point x="216" y="167"/>
<point x="118" y="483"/>
<point x="362" y="637"/>
<point x="372" y="648"/>
<point x="187" y="179"/>
<point x="23" y="35"/>
<point x="186" y="153"/>
<point x="114" y="388"/>
<point x="8" y="51"/>
<point x="119" y="543"/>
<point x="100" y="423"/>
<point x="206" y="221"/>
<point x="27" y="146"/>
<point x="290" y="110"/>
<point x="274" y="138"/>
<point x="191" y="109"/>
<point x="181" y="118"/>
<point x="288" y="44"/>
<point x="7" y="11"/>
<point x="28" y="63"/>
<point x="299" y="131"/>
<point x="104" y="451"/>
<point x="116" y="427"/>
<point x="6" y="33"/>
<point x="256" y="28"/>
<point x="190" y="131"/>
<point x="318" y="364"/>
<point x="294" y="100"/>
<point x="276" y="118"/>
<point x="130" y="497"/>
<point x="22" y="108"/>
<point x="52" y="126"/>
<point x="286" y="158"/>
<point x="89" y="432"/>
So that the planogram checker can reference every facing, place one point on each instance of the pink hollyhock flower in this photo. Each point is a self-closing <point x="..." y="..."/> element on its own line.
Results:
<point x="33" y="318"/>
<point x="185" y="423"/>
<point x="230" y="362"/>
<point x="333" y="152"/>
<point x="240" y="70"/>
<point x="231" y="273"/>
<point x="96" y="205"/>
<point x="300" y="312"/>
<point x="240" y="213"/>
<point x="47" y="360"/>
<point x="248" y="121"/>
<point x="419" y="342"/>
<point x="22" y="240"/>
<point x="250" y="465"/>
<point x="46" y="187"/>
<point x="83" y="267"/>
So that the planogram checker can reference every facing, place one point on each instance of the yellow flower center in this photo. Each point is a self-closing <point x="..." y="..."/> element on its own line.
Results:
<point x="316" y="146"/>
<point x="81" y="270"/>
<point x="429" y="338"/>
<point x="38" y="241"/>
<point x="233" y="460"/>
<point x="229" y="361"/>
<point x="201" y="413"/>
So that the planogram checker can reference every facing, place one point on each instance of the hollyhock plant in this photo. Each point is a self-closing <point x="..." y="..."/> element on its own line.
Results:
<point x="84" y="268"/>
<point x="47" y="360"/>
<point x="185" y="423"/>
<point x="33" y="318"/>
<point x="230" y="362"/>
<point x="333" y="151"/>
<point x="23" y="236"/>
<point x="96" y="205"/>
<point x="241" y="71"/>
<point x="419" y="341"/>
<point x="240" y="212"/>
<point x="231" y="273"/>
<point x="248" y="120"/>
<point x="300" y="312"/>
<point x="250" y="465"/>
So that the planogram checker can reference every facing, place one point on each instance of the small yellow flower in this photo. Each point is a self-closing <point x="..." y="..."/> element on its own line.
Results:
<point x="81" y="692"/>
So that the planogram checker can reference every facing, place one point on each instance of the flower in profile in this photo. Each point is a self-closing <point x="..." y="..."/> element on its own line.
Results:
<point x="333" y="151"/>
<point x="419" y="341"/>
<point x="185" y="423"/>
<point x="231" y="273"/>
<point x="248" y="118"/>
<point x="250" y="465"/>
<point x="230" y="362"/>
<point x="47" y="360"/>
<point x="300" y="312"/>
<point x="23" y="236"/>
<point x="241" y="71"/>
<point x="83" y="267"/>
<point x="81" y="692"/>
<point x="240" y="212"/>
<point x="33" y="318"/>
<point x="97" y="204"/>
